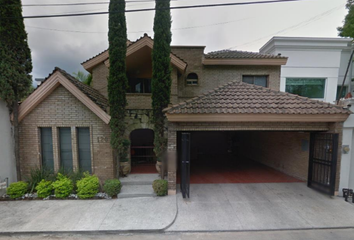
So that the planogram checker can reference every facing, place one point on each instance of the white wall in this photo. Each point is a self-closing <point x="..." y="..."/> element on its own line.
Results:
<point x="347" y="164"/>
<point x="313" y="58"/>
<point x="7" y="157"/>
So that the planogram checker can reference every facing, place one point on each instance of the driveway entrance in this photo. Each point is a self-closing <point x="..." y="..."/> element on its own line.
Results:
<point x="262" y="206"/>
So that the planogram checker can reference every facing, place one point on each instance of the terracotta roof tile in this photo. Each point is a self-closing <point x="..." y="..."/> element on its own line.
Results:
<point x="231" y="54"/>
<point x="238" y="97"/>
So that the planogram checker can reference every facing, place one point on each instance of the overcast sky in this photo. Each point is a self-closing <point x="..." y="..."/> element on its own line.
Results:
<point x="67" y="42"/>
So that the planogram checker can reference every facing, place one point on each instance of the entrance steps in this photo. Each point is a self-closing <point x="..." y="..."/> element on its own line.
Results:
<point x="137" y="185"/>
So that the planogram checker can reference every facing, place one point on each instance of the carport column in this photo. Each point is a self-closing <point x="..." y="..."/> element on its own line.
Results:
<point x="337" y="127"/>
<point x="172" y="158"/>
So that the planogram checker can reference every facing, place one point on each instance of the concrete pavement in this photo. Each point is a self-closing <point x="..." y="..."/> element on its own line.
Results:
<point x="151" y="213"/>
<point x="212" y="207"/>
<point x="267" y="206"/>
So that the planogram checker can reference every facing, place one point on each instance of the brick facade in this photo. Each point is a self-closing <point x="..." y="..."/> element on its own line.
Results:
<point x="210" y="77"/>
<point x="62" y="109"/>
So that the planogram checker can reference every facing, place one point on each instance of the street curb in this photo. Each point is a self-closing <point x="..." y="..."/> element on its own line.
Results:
<point x="260" y="230"/>
<point x="152" y="231"/>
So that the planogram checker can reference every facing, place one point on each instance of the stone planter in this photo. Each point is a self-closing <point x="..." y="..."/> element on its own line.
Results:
<point x="125" y="168"/>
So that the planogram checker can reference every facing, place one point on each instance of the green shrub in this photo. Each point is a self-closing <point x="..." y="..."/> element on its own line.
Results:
<point x="63" y="186"/>
<point x="17" y="189"/>
<point x="160" y="187"/>
<point x="88" y="186"/>
<point x="44" y="189"/>
<point x="36" y="175"/>
<point x="112" y="187"/>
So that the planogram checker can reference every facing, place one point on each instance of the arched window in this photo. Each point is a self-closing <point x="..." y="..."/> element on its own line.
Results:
<point x="192" y="79"/>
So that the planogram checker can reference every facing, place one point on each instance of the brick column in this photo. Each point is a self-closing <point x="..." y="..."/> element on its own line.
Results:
<point x="172" y="158"/>
<point x="74" y="149"/>
<point x="337" y="127"/>
<point x="55" y="149"/>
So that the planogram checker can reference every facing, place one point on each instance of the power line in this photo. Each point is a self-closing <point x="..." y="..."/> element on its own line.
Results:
<point x="142" y="31"/>
<point x="81" y="4"/>
<point x="172" y="8"/>
<point x="306" y="22"/>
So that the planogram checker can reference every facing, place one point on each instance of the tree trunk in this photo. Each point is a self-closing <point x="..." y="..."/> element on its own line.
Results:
<point x="17" y="140"/>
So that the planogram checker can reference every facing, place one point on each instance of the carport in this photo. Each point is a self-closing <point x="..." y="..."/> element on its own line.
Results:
<point x="249" y="130"/>
<point x="247" y="157"/>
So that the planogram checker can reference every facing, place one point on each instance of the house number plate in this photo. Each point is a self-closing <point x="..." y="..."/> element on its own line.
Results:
<point x="102" y="139"/>
<point x="3" y="185"/>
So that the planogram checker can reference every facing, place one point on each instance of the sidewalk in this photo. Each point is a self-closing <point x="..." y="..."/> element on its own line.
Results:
<point x="212" y="207"/>
<point x="150" y="213"/>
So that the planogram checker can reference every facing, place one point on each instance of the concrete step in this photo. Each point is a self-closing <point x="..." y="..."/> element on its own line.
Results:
<point x="139" y="179"/>
<point x="134" y="191"/>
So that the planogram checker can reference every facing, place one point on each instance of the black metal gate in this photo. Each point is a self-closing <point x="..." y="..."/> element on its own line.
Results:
<point x="323" y="162"/>
<point x="185" y="167"/>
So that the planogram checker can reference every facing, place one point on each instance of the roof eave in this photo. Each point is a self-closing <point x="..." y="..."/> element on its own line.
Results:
<point x="46" y="88"/>
<point x="245" y="61"/>
<point x="132" y="48"/>
<point x="223" y="117"/>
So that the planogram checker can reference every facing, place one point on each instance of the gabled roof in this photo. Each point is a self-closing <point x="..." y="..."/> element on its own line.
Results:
<point x="231" y="57"/>
<point x="131" y="48"/>
<point x="238" y="101"/>
<point x="90" y="97"/>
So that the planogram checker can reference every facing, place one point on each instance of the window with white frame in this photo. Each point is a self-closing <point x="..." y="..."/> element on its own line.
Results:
<point x="306" y="87"/>
<point x="192" y="79"/>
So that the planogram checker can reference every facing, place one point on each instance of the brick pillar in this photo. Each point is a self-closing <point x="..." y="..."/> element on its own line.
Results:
<point x="337" y="127"/>
<point x="172" y="158"/>
<point x="55" y="149"/>
<point x="74" y="149"/>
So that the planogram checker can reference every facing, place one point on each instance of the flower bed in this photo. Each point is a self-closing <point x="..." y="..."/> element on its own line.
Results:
<point x="44" y="185"/>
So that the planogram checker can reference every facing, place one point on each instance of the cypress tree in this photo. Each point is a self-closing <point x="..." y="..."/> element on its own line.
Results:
<point x="117" y="80"/>
<point x="161" y="72"/>
<point x="15" y="63"/>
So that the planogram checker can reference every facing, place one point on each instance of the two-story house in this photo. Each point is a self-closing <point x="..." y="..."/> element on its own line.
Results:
<point x="228" y="101"/>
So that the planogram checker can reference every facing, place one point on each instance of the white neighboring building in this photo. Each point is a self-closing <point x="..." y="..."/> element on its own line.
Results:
<point x="7" y="154"/>
<point x="319" y="64"/>
<point x="316" y="69"/>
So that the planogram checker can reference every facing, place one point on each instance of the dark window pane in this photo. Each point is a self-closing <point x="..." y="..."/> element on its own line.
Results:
<point x="192" y="79"/>
<point x="248" y="79"/>
<point x="260" y="81"/>
<point x="344" y="92"/>
<point x="139" y="85"/>
<point x="84" y="149"/>
<point x="47" y="148"/>
<point x="306" y="87"/>
<point x="256" y="80"/>
<point x="66" y="155"/>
